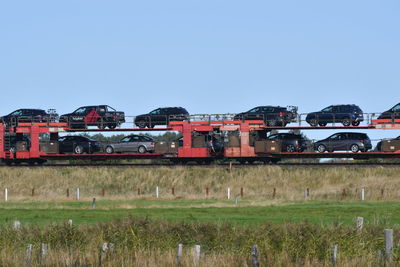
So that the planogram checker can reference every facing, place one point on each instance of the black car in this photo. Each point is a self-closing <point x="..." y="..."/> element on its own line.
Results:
<point x="101" y="116"/>
<point x="345" y="114"/>
<point x="379" y="144"/>
<point x="290" y="142"/>
<point x="271" y="115"/>
<point x="353" y="142"/>
<point x="28" y="115"/>
<point x="393" y="113"/>
<point x="161" y="116"/>
<point x="78" y="144"/>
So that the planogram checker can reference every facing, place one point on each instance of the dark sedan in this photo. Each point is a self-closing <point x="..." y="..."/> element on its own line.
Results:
<point x="393" y="113"/>
<point x="346" y="114"/>
<point x="28" y="115"/>
<point x="290" y="142"/>
<point x="78" y="144"/>
<point x="353" y="142"/>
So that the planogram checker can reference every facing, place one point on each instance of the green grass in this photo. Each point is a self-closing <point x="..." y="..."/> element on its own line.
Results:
<point x="325" y="213"/>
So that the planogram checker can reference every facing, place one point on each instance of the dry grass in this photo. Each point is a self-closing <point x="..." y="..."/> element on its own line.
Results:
<point x="190" y="183"/>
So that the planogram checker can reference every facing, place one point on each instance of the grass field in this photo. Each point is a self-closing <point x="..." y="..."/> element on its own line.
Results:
<point x="288" y="229"/>
<point x="318" y="213"/>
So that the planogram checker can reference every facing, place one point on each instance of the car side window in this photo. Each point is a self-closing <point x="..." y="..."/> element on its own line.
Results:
<point x="145" y="139"/>
<point x="135" y="139"/>
<point x="268" y="109"/>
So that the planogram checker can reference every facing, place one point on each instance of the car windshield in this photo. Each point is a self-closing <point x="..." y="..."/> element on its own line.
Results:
<point x="396" y="108"/>
<point x="155" y="112"/>
<point x="328" y="109"/>
<point x="336" y="136"/>
<point x="274" y="136"/>
<point x="16" y="113"/>
<point x="110" y="108"/>
<point x="254" y="110"/>
<point x="126" y="139"/>
<point x="80" y="110"/>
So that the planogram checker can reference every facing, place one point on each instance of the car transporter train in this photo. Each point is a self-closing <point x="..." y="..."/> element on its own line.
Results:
<point x="204" y="138"/>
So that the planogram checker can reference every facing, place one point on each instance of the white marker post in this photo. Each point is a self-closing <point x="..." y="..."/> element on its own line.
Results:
<point x="78" y="193"/>
<point x="362" y="194"/>
<point x="6" y="195"/>
<point x="229" y="193"/>
<point x="157" y="192"/>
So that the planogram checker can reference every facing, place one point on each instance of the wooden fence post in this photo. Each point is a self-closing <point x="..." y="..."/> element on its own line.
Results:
<point x="103" y="192"/>
<point x="207" y="191"/>
<point x="388" y="243"/>
<point x="254" y="256"/>
<point x="173" y="191"/>
<point x="33" y="192"/>
<point x="274" y="193"/>
<point x="241" y="192"/>
<point x="68" y="192"/>
<point x="94" y="203"/>
<point x="28" y="254"/>
<point x="179" y="254"/>
<point x="138" y="191"/>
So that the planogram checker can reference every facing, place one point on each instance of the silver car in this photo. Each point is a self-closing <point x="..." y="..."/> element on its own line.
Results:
<point x="132" y="143"/>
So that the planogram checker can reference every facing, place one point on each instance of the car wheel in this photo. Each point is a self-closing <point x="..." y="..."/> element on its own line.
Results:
<point x="355" y="123"/>
<point x="346" y="122"/>
<point x="290" y="148"/>
<point x="109" y="150"/>
<point x="142" y="150"/>
<point x="101" y="124"/>
<point x="313" y="122"/>
<point x="354" y="148"/>
<point x="272" y="123"/>
<point x="141" y="124"/>
<point x="323" y="124"/>
<point x="321" y="148"/>
<point x="112" y="125"/>
<point x="78" y="149"/>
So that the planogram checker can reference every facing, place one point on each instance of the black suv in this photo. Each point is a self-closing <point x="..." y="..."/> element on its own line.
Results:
<point x="271" y="115"/>
<point x="346" y="114"/>
<point x="101" y="116"/>
<point x="290" y="142"/>
<point x="28" y="115"/>
<point x="393" y="113"/>
<point x="353" y="142"/>
<point x="161" y="116"/>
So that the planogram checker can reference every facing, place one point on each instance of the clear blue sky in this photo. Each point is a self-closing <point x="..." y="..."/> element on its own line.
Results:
<point x="208" y="56"/>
